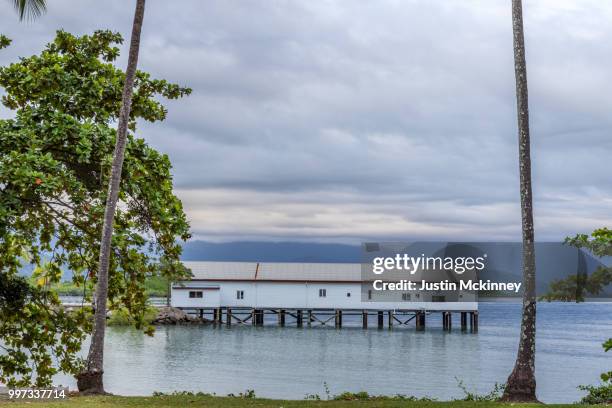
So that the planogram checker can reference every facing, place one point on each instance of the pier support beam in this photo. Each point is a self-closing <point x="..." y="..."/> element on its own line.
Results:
<point x="364" y="319"/>
<point x="281" y="317"/>
<point x="258" y="317"/>
<point x="420" y="321"/>
<point x="447" y="321"/>
<point x="390" y="315"/>
<point x="474" y="322"/>
<point x="228" y="319"/>
<point x="201" y="313"/>
<point x="219" y="315"/>
<point x="463" y="321"/>
<point x="309" y="317"/>
<point x="338" y="318"/>
<point x="299" y="318"/>
<point x="381" y="319"/>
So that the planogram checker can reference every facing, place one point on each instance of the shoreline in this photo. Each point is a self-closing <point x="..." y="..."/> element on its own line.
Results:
<point x="248" y="399"/>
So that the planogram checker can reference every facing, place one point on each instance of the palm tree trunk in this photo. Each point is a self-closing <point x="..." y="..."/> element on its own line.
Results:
<point x="90" y="380"/>
<point x="521" y="385"/>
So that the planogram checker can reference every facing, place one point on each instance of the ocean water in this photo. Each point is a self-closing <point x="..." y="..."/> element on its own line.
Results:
<point x="291" y="362"/>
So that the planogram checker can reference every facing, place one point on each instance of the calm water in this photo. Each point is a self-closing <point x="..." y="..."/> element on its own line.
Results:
<point x="290" y="362"/>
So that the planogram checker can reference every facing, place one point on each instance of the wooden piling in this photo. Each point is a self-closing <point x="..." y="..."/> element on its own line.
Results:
<point x="258" y="317"/>
<point x="474" y="322"/>
<point x="281" y="317"/>
<point x="447" y="321"/>
<point x="201" y="313"/>
<point x="299" y="318"/>
<point x="420" y="321"/>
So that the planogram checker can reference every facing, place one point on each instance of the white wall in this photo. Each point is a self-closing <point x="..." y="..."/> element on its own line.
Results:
<point x="210" y="298"/>
<point x="302" y="296"/>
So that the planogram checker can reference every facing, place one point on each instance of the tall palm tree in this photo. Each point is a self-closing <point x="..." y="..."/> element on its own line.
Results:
<point x="521" y="385"/>
<point x="90" y="381"/>
<point x="29" y="9"/>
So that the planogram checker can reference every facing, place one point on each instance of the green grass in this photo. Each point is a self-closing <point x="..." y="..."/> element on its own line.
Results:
<point x="210" y="401"/>
<point x="155" y="286"/>
<point x="120" y="317"/>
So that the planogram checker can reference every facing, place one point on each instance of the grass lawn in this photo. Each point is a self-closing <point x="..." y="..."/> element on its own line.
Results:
<point x="210" y="401"/>
<point x="155" y="286"/>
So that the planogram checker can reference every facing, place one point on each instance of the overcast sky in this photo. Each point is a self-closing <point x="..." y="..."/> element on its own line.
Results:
<point x="343" y="121"/>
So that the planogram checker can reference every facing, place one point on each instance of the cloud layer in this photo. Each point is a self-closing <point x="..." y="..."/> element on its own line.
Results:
<point x="346" y="121"/>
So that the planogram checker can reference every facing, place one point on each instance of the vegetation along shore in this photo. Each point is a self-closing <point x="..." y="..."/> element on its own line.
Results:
<point x="248" y="400"/>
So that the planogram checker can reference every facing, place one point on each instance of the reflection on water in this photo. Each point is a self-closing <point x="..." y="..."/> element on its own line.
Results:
<point x="290" y="362"/>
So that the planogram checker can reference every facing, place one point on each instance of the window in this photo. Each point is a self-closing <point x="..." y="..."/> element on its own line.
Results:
<point x="405" y="296"/>
<point x="195" y="294"/>
<point x="322" y="292"/>
<point x="370" y="294"/>
<point x="348" y="294"/>
<point x="240" y="294"/>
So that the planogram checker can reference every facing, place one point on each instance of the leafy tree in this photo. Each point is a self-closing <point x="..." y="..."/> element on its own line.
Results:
<point x="34" y="330"/>
<point x="599" y="243"/>
<point x="55" y="158"/>
<point x="521" y="385"/>
<point x="574" y="287"/>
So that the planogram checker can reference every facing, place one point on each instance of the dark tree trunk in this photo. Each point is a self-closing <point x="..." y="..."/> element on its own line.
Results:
<point x="521" y="385"/>
<point x="90" y="380"/>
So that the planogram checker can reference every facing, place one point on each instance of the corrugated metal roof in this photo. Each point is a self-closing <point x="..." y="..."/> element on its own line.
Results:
<point x="222" y="270"/>
<point x="275" y="271"/>
<point x="304" y="272"/>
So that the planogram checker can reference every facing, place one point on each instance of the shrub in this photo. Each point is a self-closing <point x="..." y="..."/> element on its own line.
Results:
<point x="494" y="395"/>
<point x="600" y="394"/>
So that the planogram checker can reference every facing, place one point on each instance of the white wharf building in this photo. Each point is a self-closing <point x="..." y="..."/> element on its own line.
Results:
<point x="245" y="291"/>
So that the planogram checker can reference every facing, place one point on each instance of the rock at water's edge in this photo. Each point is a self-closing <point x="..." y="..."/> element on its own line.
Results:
<point x="172" y="315"/>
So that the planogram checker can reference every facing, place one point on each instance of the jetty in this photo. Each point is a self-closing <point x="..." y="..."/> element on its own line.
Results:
<point x="311" y="294"/>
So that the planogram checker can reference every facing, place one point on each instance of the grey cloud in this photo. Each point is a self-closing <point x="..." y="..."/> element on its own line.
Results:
<point x="343" y="120"/>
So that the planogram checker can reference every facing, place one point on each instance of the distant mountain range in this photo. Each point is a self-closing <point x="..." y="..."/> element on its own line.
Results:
<point x="553" y="260"/>
<point x="271" y="252"/>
